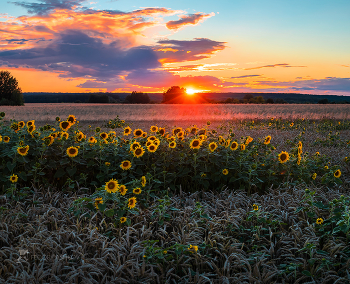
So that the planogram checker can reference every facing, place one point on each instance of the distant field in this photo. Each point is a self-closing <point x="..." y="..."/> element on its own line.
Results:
<point x="178" y="113"/>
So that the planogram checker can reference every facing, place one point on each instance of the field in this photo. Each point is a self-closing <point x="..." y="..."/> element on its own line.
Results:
<point x="222" y="194"/>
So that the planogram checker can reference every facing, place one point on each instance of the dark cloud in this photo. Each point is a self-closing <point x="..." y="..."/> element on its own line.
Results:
<point x="188" y="50"/>
<point x="191" y="19"/>
<point x="46" y="6"/>
<point x="285" y="65"/>
<point x="80" y="55"/>
<point x="245" y="76"/>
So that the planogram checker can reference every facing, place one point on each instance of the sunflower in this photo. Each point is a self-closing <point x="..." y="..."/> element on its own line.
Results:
<point x="30" y="123"/>
<point x="319" y="221"/>
<point x="31" y="128"/>
<point x="194" y="130"/>
<point x="137" y="190"/>
<point x="139" y="152"/>
<point x="314" y="176"/>
<point x="143" y="181"/>
<point x="161" y="131"/>
<point x="337" y="173"/>
<point x="234" y="145"/>
<point x="92" y="140"/>
<point x="107" y="164"/>
<point x="154" y="128"/>
<point x="300" y="150"/>
<point x="112" y="186"/>
<point x="58" y="118"/>
<point x="225" y="172"/>
<point x="255" y="207"/>
<point x="149" y="143"/>
<point x="123" y="220"/>
<point x="180" y="134"/>
<point x="97" y="129"/>
<point x="248" y="140"/>
<point x="6" y="139"/>
<point x="152" y="148"/>
<point x="176" y="130"/>
<point x="72" y="151"/>
<point x="23" y="151"/>
<point x="195" y="144"/>
<point x="267" y="140"/>
<point x="242" y="147"/>
<point x="202" y="131"/>
<point x="172" y="144"/>
<point x="144" y="134"/>
<point x="48" y="140"/>
<point x="65" y="125"/>
<point x="151" y="138"/>
<point x="132" y="202"/>
<point x="0" y="138"/>
<point x="71" y="118"/>
<point x="283" y="157"/>
<point x="64" y="135"/>
<point x="134" y="146"/>
<point x="80" y="136"/>
<point x="156" y="142"/>
<point x="125" y="165"/>
<point x="227" y="143"/>
<point x="21" y="124"/>
<point x="171" y="138"/>
<point x="138" y="133"/>
<point x="202" y="137"/>
<point x="127" y="131"/>
<point x="98" y="201"/>
<point x="14" y="178"/>
<point x="104" y="135"/>
<point x="299" y="160"/>
<point x="122" y="189"/>
<point x="212" y="146"/>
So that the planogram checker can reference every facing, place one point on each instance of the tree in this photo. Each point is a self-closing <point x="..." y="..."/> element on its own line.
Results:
<point x="323" y="101"/>
<point x="10" y="93"/>
<point x="269" y="101"/>
<point x="98" y="98"/>
<point x="172" y="94"/>
<point x="137" y="98"/>
<point x="280" y="101"/>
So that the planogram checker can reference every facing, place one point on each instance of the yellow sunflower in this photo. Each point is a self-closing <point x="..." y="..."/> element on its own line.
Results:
<point x="92" y="140"/>
<point x="30" y="123"/>
<point x="212" y="146"/>
<point x="225" y="172"/>
<point x="132" y="202"/>
<point x="127" y="131"/>
<point x="65" y="125"/>
<point x="48" y="140"/>
<point x="255" y="207"/>
<point x="112" y="186"/>
<point x="80" y="136"/>
<point x="138" y="133"/>
<point x="65" y="135"/>
<point x="72" y="151"/>
<point x="242" y="147"/>
<point x="154" y="128"/>
<point x="227" y="143"/>
<point x="176" y="130"/>
<point x="319" y="221"/>
<point x="98" y="201"/>
<point x="314" y="176"/>
<point x="122" y="189"/>
<point x="31" y="128"/>
<point x="149" y="143"/>
<point x="14" y="178"/>
<point x="123" y="220"/>
<point x="125" y="165"/>
<point x="6" y="139"/>
<point x="134" y="146"/>
<point x="337" y="173"/>
<point x="161" y="131"/>
<point x="0" y="138"/>
<point x="139" y="152"/>
<point x="234" y="145"/>
<point x="23" y="151"/>
<point x="143" y="181"/>
<point x="283" y="157"/>
<point x="144" y="134"/>
<point x="194" y="130"/>
<point x="172" y="144"/>
<point x="195" y="144"/>
<point x="137" y="190"/>
<point x="267" y="140"/>
<point x="21" y="124"/>
<point x="71" y="118"/>
<point x="152" y="148"/>
<point x="104" y="135"/>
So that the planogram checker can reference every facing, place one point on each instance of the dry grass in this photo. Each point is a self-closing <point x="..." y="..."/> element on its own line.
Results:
<point x="178" y="113"/>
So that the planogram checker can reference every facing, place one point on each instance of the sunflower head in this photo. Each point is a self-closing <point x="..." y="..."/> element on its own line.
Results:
<point x="138" y="132"/>
<point x="225" y="172"/>
<point x="242" y="147"/>
<point x="267" y="140"/>
<point x="139" y="152"/>
<point x="6" y="139"/>
<point x="65" y="125"/>
<point x="154" y="128"/>
<point x="255" y="207"/>
<point x="71" y="118"/>
<point x="137" y="190"/>
<point x="234" y="145"/>
<point x="132" y="202"/>
<point x="104" y="135"/>
<point x="176" y="130"/>
<point x="122" y="189"/>
<point x="92" y="140"/>
<point x="319" y="221"/>
<point x="125" y="165"/>
<point x="21" y="124"/>
<point x="195" y="144"/>
<point x="112" y="186"/>
<point x="72" y="152"/>
<point x="212" y="146"/>
<point x="337" y="173"/>
<point x="161" y="131"/>
<point x="283" y="157"/>
<point x="172" y="144"/>
<point x="143" y="181"/>
<point x="98" y="201"/>
<point x="314" y="176"/>
<point x="23" y="151"/>
<point x="127" y="131"/>
<point x="123" y="220"/>
<point x="134" y="146"/>
<point x="152" y="148"/>
<point x="14" y="178"/>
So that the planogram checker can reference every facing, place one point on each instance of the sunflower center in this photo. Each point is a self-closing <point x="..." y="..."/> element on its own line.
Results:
<point x="72" y="151"/>
<point x="195" y="143"/>
<point x="22" y="150"/>
<point x="283" y="157"/>
<point x="111" y="185"/>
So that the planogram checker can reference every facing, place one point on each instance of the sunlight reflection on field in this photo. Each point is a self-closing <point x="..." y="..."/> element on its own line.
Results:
<point x="213" y="112"/>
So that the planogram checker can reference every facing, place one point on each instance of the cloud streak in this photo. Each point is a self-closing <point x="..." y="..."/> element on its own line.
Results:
<point x="284" y="65"/>
<point x="192" y="19"/>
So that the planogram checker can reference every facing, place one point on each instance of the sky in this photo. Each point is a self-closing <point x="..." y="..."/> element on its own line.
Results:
<point x="218" y="46"/>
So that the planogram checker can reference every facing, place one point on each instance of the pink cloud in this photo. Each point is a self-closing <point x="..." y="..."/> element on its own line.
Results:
<point x="192" y="19"/>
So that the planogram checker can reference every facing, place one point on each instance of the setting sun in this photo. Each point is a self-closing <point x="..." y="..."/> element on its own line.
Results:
<point x="191" y="91"/>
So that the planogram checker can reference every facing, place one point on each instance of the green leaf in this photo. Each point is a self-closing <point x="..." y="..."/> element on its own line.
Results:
<point x="60" y="173"/>
<point x="23" y="176"/>
<point x="90" y="206"/>
<point x="307" y="273"/>
<point x="109" y="213"/>
<point x="71" y="171"/>
<point x="10" y="165"/>
<point x="102" y="207"/>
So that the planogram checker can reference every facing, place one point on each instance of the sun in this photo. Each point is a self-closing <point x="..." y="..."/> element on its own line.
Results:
<point x="191" y="91"/>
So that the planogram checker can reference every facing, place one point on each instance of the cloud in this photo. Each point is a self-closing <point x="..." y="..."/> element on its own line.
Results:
<point x="285" y="65"/>
<point x="192" y="19"/>
<point x="245" y="76"/>
<point x="187" y="50"/>
<point x="48" y="5"/>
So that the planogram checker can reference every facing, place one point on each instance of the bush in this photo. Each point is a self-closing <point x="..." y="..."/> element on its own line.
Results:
<point x="10" y="93"/>
<point x="98" y="98"/>
<point x="137" y="98"/>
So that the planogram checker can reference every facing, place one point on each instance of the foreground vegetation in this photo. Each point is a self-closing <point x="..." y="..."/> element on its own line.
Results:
<point x="177" y="205"/>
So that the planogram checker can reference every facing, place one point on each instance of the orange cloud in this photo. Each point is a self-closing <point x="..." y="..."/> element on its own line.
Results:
<point x="285" y="65"/>
<point x="192" y="19"/>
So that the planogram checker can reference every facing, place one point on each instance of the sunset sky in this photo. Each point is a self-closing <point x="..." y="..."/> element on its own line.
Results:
<point x="133" y="45"/>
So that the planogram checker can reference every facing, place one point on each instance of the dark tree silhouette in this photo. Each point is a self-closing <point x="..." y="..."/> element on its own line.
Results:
<point x="269" y="101"/>
<point x="137" y="98"/>
<point x="172" y="94"/>
<point x="10" y="93"/>
<point x="98" y="98"/>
